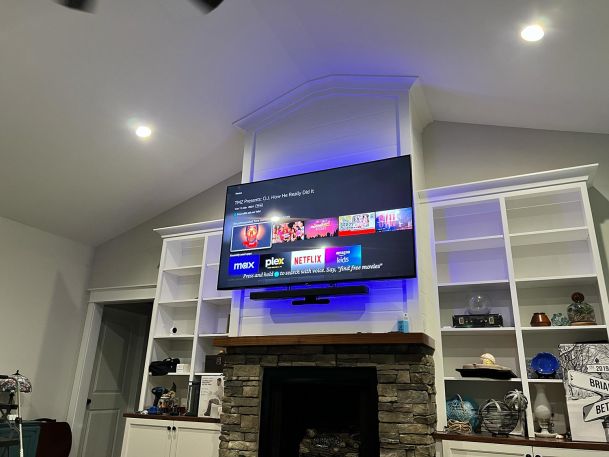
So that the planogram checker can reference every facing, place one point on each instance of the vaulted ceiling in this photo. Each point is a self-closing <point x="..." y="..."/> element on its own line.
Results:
<point x="73" y="84"/>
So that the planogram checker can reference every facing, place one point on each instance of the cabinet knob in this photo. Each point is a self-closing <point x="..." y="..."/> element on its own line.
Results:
<point x="527" y="455"/>
<point x="169" y="429"/>
<point x="537" y="455"/>
<point x="174" y="429"/>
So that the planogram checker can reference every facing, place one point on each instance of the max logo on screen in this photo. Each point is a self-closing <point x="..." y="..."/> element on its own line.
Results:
<point x="243" y="264"/>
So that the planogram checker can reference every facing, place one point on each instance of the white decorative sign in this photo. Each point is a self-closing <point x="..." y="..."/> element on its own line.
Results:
<point x="589" y="383"/>
<point x="595" y="411"/>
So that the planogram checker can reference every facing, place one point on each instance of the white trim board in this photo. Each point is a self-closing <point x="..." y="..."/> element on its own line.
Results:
<point x="583" y="173"/>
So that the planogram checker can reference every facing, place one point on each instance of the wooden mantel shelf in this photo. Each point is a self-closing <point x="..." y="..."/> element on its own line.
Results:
<point x="327" y="339"/>
<point x="519" y="440"/>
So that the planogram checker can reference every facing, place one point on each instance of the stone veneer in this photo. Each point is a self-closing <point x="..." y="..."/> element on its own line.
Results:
<point x="406" y="404"/>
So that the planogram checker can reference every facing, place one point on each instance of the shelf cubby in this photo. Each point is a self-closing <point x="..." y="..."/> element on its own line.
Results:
<point x="482" y="390"/>
<point x="205" y="347"/>
<point x="179" y="288"/>
<point x="163" y="348"/>
<point x="555" y="297"/>
<point x="214" y="317"/>
<point x="472" y="265"/>
<point x="555" y="392"/>
<point x="454" y="300"/>
<point x="557" y="209"/>
<point x="469" y="220"/>
<point x="183" y="252"/>
<point x="181" y="317"/>
<point x="458" y="351"/>
<point x="547" y="339"/>
<point x="569" y="258"/>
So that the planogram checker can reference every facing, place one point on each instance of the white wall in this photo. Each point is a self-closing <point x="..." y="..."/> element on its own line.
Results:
<point x="42" y="299"/>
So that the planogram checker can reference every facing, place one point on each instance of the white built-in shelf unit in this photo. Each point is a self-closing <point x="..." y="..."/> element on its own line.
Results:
<point x="527" y="242"/>
<point x="188" y="301"/>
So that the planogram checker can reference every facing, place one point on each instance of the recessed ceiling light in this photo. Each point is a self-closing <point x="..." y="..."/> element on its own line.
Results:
<point x="533" y="32"/>
<point x="143" y="131"/>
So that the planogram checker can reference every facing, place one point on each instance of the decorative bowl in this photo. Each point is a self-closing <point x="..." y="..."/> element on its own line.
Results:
<point x="545" y="364"/>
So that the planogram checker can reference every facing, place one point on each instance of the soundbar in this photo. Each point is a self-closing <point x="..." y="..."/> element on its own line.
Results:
<point x="310" y="295"/>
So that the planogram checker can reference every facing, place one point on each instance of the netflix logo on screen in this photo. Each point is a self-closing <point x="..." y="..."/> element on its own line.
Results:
<point x="303" y="260"/>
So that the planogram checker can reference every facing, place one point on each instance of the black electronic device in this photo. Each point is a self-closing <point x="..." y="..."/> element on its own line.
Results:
<point x="352" y="223"/>
<point x="477" y="320"/>
<point x="311" y="295"/>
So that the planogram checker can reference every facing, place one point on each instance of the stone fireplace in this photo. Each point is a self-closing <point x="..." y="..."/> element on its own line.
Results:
<point x="375" y="389"/>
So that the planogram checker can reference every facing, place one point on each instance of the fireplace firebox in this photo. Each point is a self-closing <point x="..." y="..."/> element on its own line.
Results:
<point x="319" y="411"/>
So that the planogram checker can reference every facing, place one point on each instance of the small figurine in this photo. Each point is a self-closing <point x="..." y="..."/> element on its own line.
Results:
<point x="487" y="359"/>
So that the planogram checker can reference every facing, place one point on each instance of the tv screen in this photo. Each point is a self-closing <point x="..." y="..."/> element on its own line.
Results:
<point x="350" y="223"/>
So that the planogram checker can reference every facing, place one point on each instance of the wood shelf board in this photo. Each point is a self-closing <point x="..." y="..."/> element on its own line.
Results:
<point x="327" y="339"/>
<point x="519" y="440"/>
<point x="478" y="331"/>
<point x="454" y="378"/>
<point x="556" y="281"/>
<point x="209" y="374"/>
<point x="212" y="335"/>
<point x="549" y="236"/>
<point x="172" y="418"/>
<point x="563" y="328"/>
<point x="467" y="244"/>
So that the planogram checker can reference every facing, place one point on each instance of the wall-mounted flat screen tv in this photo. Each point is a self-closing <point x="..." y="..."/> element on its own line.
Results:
<point x="351" y="223"/>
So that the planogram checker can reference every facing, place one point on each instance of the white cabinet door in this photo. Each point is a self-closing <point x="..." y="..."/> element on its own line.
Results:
<point x="558" y="452"/>
<point x="147" y="438"/>
<point x="470" y="449"/>
<point x="196" y="440"/>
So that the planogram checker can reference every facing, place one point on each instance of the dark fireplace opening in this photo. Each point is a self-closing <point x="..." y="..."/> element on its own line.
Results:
<point x="317" y="411"/>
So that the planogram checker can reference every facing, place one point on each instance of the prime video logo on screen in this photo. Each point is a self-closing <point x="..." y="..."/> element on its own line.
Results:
<point x="243" y="264"/>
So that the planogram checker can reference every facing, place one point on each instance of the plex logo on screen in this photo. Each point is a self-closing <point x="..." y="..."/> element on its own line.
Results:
<point x="275" y="262"/>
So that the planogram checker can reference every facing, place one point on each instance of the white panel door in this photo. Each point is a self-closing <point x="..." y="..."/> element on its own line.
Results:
<point x="114" y="381"/>
<point x="469" y="449"/>
<point x="557" y="452"/>
<point x="192" y="440"/>
<point x="147" y="438"/>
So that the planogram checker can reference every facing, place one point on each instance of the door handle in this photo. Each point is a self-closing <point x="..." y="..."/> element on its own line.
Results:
<point x="169" y="429"/>
<point x="88" y="401"/>
<point x="174" y="429"/>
